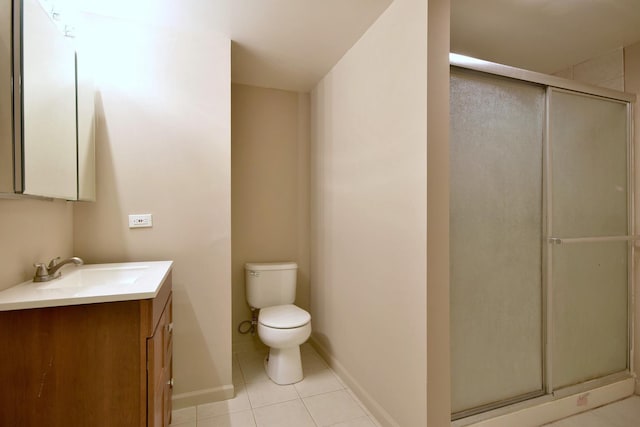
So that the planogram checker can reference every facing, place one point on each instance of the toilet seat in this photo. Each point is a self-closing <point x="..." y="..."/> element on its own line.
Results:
<point x="286" y="316"/>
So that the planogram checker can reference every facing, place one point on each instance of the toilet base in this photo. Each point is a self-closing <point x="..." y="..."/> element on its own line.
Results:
<point x="284" y="365"/>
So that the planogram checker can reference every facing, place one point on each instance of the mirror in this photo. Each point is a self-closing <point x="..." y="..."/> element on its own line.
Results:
<point x="52" y="144"/>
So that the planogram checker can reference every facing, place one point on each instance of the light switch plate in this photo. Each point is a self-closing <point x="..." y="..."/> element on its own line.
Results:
<point x="140" y="220"/>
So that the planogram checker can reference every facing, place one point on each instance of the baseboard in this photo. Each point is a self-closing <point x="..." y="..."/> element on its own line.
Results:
<point x="200" y="397"/>
<point x="369" y="402"/>
<point x="549" y="411"/>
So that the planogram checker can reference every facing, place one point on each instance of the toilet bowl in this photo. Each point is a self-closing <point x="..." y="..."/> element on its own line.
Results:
<point x="282" y="326"/>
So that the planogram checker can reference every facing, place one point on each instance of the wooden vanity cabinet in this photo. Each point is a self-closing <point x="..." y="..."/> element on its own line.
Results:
<point x="104" y="364"/>
<point x="159" y="374"/>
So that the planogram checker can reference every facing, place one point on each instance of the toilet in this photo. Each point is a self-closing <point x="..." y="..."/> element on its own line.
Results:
<point x="283" y="327"/>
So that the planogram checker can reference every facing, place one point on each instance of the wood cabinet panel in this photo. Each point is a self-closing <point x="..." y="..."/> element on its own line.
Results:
<point x="82" y="365"/>
<point x="159" y="350"/>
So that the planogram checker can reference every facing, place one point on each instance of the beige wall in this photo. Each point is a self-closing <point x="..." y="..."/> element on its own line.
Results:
<point x="32" y="231"/>
<point x="632" y="85"/>
<point x="438" y="359"/>
<point x="163" y="147"/>
<point x="270" y="187"/>
<point x="368" y="215"/>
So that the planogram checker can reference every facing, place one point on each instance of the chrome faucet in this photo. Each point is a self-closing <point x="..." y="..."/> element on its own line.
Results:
<point x="44" y="272"/>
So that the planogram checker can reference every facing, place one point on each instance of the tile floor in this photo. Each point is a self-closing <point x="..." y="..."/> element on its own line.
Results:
<point x="624" y="413"/>
<point x="319" y="400"/>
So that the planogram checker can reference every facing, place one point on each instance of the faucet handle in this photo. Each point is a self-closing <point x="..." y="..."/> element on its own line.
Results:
<point x="41" y="270"/>
<point x="54" y="262"/>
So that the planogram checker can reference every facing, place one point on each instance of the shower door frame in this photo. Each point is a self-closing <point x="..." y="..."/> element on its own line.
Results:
<point x="552" y="83"/>
<point x="550" y="241"/>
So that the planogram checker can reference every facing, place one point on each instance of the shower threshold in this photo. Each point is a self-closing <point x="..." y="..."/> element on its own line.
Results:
<point x="561" y="404"/>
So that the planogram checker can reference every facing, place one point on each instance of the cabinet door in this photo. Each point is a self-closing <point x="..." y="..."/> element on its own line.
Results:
<point x="168" y="363"/>
<point x="159" y="348"/>
<point x="48" y="107"/>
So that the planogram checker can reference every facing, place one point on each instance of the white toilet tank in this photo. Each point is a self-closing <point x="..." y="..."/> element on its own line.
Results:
<point x="269" y="284"/>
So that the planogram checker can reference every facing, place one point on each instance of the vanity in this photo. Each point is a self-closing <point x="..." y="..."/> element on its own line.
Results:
<point x="93" y="348"/>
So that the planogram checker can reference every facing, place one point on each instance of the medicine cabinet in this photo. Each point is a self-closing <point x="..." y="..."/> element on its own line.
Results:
<point x="47" y="145"/>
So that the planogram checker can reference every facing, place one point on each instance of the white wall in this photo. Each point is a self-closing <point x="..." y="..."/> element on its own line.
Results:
<point x="368" y="210"/>
<point x="163" y="147"/>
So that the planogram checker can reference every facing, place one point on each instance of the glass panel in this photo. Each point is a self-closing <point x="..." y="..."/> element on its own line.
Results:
<point x="496" y="235"/>
<point x="589" y="311"/>
<point x="589" y="165"/>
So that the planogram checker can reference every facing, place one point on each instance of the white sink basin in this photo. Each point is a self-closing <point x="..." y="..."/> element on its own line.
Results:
<point x="97" y="276"/>
<point x="92" y="283"/>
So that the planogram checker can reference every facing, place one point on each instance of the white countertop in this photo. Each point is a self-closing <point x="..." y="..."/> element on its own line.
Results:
<point x="92" y="283"/>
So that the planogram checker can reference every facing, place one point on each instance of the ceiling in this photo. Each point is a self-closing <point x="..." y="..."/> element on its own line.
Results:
<point x="542" y="35"/>
<point x="291" y="44"/>
<point x="282" y="44"/>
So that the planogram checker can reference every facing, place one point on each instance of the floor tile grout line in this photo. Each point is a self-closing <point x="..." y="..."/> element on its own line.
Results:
<point x="242" y="374"/>
<point x="253" y="415"/>
<point x="242" y="377"/>
<point x="292" y="400"/>
<point x="309" y="412"/>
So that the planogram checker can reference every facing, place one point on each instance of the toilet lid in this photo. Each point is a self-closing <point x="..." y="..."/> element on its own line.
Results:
<point x="283" y="316"/>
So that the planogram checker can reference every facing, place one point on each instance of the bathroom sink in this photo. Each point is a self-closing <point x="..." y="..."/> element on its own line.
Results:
<point x="89" y="283"/>
<point x="97" y="276"/>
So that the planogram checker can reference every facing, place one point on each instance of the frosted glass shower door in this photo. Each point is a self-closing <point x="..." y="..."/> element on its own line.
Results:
<point x="589" y="231"/>
<point x="496" y="239"/>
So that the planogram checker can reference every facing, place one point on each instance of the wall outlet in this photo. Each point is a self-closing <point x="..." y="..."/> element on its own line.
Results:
<point x="140" y="220"/>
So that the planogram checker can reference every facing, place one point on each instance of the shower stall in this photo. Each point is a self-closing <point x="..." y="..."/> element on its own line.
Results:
<point x="541" y="235"/>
